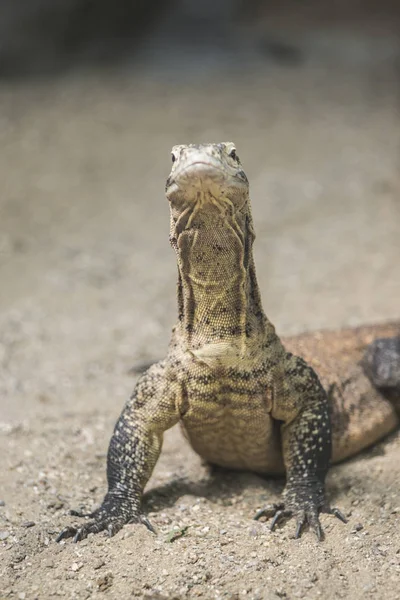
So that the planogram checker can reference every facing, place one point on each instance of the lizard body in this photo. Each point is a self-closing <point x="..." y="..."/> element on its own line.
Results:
<point x="245" y="401"/>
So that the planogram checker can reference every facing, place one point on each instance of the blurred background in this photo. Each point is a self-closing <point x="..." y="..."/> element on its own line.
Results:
<point x="93" y="94"/>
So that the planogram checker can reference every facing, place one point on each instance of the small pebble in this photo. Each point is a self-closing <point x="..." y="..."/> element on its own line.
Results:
<point x="4" y="535"/>
<point x="28" y="524"/>
<point x="19" y="558"/>
<point x="56" y="505"/>
<point x="104" y="582"/>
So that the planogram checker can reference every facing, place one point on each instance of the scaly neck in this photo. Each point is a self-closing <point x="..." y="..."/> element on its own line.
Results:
<point x="218" y="296"/>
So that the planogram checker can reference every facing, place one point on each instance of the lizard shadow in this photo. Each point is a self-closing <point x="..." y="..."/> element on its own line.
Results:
<point x="226" y="487"/>
<point x="220" y="486"/>
<point x="344" y="481"/>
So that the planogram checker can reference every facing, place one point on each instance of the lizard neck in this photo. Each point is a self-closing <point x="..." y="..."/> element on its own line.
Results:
<point x="219" y="302"/>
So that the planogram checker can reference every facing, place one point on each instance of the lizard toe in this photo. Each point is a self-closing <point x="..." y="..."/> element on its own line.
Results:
<point x="300" y="522"/>
<point x="268" y="511"/>
<point x="110" y="526"/>
<point x="113" y="528"/>
<point x="66" y="533"/>
<point x="103" y="522"/>
<point x="305" y="515"/>
<point x="280" y="515"/>
<point x="334" y="511"/>
<point x="275" y="512"/>
<point x="146" y="522"/>
<point x="312" y="516"/>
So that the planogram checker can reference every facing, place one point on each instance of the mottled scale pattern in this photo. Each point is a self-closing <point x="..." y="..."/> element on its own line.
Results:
<point x="217" y="415"/>
<point x="360" y="413"/>
<point x="245" y="400"/>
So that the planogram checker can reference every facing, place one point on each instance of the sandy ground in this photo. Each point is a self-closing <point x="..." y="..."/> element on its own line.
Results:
<point x="87" y="291"/>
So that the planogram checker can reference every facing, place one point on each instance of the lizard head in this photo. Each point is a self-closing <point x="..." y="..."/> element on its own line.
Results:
<point x="206" y="175"/>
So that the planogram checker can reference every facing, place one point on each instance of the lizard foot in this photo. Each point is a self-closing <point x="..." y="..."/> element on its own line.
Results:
<point x="110" y="517"/>
<point x="308" y="515"/>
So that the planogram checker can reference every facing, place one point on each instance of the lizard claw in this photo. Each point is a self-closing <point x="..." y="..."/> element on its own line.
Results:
<point x="147" y="523"/>
<point x="336" y="512"/>
<point x="110" y="517"/>
<point x="309" y="515"/>
<point x="268" y="511"/>
<point x="67" y="532"/>
<point x="276" y="512"/>
<point x="110" y="525"/>
<point x="326" y="509"/>
<point x="278" y="516"/>
<point x="80" y="533"/>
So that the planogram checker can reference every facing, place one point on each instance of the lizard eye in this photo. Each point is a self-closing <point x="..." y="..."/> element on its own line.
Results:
<point x="173" y="157"/>
<point x="233" y="154"/>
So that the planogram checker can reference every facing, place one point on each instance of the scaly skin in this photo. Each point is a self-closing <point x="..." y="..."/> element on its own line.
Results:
<point x="243" y="400"/>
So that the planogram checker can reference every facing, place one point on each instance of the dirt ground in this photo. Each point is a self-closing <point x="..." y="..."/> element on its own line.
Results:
<point x="87" y="291"/>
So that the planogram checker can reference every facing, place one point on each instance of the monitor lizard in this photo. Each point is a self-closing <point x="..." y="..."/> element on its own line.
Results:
<point x="245" y="399"/>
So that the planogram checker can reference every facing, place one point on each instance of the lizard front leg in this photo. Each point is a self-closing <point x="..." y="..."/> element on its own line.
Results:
<point x="302" y="406"/>
<point x="133" y="452"/>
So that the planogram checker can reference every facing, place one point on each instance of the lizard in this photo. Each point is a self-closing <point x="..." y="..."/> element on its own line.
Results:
<point x="246" y="399"/>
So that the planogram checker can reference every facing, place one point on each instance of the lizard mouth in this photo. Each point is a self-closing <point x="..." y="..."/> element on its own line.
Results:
<point x="205" y="178"/>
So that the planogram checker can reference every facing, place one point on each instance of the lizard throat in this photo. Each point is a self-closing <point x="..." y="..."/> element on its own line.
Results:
<point x="218" y="299"/>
